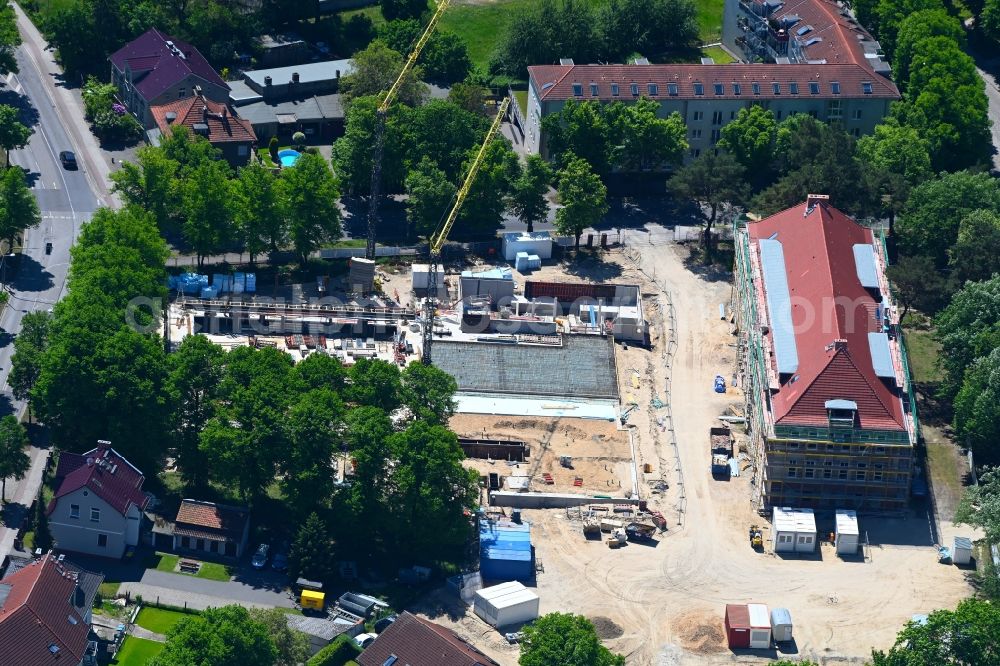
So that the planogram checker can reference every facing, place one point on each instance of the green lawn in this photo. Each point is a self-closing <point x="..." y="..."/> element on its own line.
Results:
<point x="710" y="20"/>
<point x="137" y="651"/>
<point x="159" y="620"/>
<point x="109" y="590"/>
<point x="209" y="570"/>
<point x="522" y="100"/>
<point x="923" y="351"/>
<point x="720" y="55"/>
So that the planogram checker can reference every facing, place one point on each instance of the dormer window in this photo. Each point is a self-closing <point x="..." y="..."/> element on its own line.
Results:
<point x="614" y="90"/>
<point x="577" y="90"/>
<point x="593" y="90"/>
<point x="841" y="413"/>
<point x="653" y="89"/>
<point x="635" y="90"/>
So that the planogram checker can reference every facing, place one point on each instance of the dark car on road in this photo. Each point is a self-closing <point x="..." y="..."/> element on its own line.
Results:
<point x="68" y="160"/>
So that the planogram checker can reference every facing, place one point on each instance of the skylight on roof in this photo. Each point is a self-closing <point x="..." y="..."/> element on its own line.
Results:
<point x="755" y="87"/>
<point x="593" y="90"/>
<point x="776" y="88"/>
<point x="653" y="89"/>
<point x="578" y="90"/>
<point x="813" y="40"/>
<point x="813" y="88"/>
<point x="699" y="89"/>
<point x="614" y="90"/>
<point x="672" y="89"/>
<point x="737" y="89"/>
<point x="53" y="648"/>
<point x="793" y="88"/>
<point x="718" y="89"/>
<point x="866" y="87"/>
<point x="835" y="87"/>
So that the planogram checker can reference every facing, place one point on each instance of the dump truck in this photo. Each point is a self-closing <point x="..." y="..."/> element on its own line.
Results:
<point x="721" y="449"/>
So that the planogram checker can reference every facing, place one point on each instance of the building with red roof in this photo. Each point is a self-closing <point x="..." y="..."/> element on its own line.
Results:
<point x="97" y="508"/>
<point x="414" y="641"/>
<point x="45" y="615"/>
<point x="215" y="121"/>
<point x="825" y="65"/>
<point x="826" y="380"/>
<point x="155" y="69"/>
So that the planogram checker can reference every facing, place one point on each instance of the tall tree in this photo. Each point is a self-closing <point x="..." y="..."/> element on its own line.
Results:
<point x="892" y="13"/>
<point x="10" y="39"/>
<point x="402" y="9"/>
<point x="368" y="432"/>
<point x="918" y="283"/>
<point x="428" y="392"/>
<point x="980" y="505"/>
<point x="567" y="639"/>
<point x="580" y="128"/>
<point x="312" y="553"/>
<point x="445" y="59"/>
<point x="977" y="409"/>
<point x="352" y="153"/>
<point x="527" y="197"/>
<point x="320" y="371"/>
<point x="645" y="141"/>
<point x="18" y="208"/>
<point x="968" y="635"/>
<point x="650" y="27"/>
<point x="896" y="149"/>
<point x="206" y="203"/>
<point x="193" y="383"/>
<point x="583" y="196"/>
<point x="227" y="636"/>
<point x="968" y="329"/>
<point x="974" y="255"/>
<point x="292" y="646"/>
<point x="429" y="192"/>
<point x="258" y="210"/>
<point x="711" y="181"/>
<point x="752" y="139"/>
<point x="13" y="133"/>
<point x="14" y="462"/>
<point x="375" y="70"/>
<point x="310" y="198"/>
<point x="29" y="348"/>
<point x="312" y="430"/>
<point x="149" y="183"/>
<point x="374" y="383"/>
<point x="482" y="212"/>
<point x="917" y="27"/>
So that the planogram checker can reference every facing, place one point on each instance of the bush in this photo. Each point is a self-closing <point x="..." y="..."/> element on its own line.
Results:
<point x="338" y="653"/>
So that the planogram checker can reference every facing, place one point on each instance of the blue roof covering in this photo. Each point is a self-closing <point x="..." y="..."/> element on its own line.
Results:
<point x="504" y="541"/>
<point x="779" y="305"/>
<point x="878" y="343"/>
<point x="864" y="263"/>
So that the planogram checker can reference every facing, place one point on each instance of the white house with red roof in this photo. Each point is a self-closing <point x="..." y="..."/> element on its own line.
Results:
<point x="829" y="402"/>
<point x="97" y="509"/>
<point x="831" y="69"/>
<point x="45" y="615"/>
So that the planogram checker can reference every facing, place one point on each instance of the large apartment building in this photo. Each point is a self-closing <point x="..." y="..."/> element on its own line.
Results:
<point x="830" y="68"/>
<point x="829" y="405"/>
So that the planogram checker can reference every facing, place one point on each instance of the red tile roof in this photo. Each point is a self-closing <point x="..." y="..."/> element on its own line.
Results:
<point x="156" y="66"/>
<point x="211" y="521"/>
<point x="828" y="303"/>
<point x="39" y="625"/>
<point x="106" y="473"/>
<point x="223" y="123"/>
<point x="555" y="82"/>
<point x="418" y="642"/>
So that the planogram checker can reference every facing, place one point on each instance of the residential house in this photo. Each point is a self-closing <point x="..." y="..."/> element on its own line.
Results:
<point x="215" y="121"/>
<point x="212" y="528"/>
<point x="155" y="69"/>
<point x="418" y="642"/>
<point x="98" y="504"/>
<point x="45" y="612"/>
<point x="830" y="68"/>
<point x="828" y="396"/>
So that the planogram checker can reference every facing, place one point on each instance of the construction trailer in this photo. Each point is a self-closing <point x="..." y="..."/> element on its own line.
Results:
<point x="847" y="534"/>
<point x="421" y="278"/>
<point x="961" y="553"/>
<point x="781" y="625"/>
<point x="760" y="626"/>
<point x="536" y="242"/>
<point x="496" y="285"/>
<point x="737" y="623"/>
<point x="505" y="551"/>
<point x="506" y="604"/>
<point x="793" y="530"/>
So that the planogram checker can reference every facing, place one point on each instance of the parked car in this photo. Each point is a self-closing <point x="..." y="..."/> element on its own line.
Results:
<point x="259" y="559"/>
<point x="280" y="560"/>
<point x="364" y="640"/>
<point x="68" y="160"/>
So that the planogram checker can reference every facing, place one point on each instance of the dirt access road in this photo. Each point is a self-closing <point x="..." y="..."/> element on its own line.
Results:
<point x="669" y="599"/>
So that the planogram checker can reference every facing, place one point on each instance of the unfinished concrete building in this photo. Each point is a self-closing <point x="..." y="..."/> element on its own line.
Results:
<point x="829" y="403"/>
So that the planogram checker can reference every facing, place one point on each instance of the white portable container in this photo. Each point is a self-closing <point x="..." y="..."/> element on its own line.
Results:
<point x="506" y="604"/>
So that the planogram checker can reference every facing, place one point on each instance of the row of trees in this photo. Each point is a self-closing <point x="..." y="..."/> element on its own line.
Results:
<point x="543" y="32"/>
<point x="187" y="187"/>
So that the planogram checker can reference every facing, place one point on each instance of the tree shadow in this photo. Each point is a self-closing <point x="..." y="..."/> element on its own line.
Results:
<point x="6" y="405"/>
<point x="68" y="81"/>
<point x="6" y="338"/>
<point x="29" y="275"/>
<point x="391" y="227"/>
<point x="590" y="264"/>
<point x="14" y="514"/>
<point x="712" y="272"/>
<point x="639" y="212"/>
<point x="26" y="110"/>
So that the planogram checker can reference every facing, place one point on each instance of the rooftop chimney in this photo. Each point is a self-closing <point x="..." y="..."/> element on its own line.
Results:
<point x="267" y="80"/>
<point x="295" y="77"/>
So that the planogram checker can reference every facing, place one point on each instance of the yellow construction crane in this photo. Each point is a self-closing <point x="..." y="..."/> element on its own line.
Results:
<point x="380" y="115"/>
<point x="437" y="239"/>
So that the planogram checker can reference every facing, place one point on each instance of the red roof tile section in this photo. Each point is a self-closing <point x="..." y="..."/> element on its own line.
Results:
<point x="156" y="66"/>
<point x="38" y="624"/>
<point x="828" y="304"/>
<point x="210" y="520"/>
<point x="223" y="123"/>
<point x="418" y="642"/>
<point x="106" y="473"/>
<point x="555" y="82"/>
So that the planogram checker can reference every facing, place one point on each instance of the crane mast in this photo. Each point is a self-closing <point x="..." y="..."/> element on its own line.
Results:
<point x="380" y="116"/>
<point x="439" y="237"/>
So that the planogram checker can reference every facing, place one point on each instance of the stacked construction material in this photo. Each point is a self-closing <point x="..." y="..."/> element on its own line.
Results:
<point x="525" y="262"/>
<point x="361" y="277"/>
<point x="187" y="283"/>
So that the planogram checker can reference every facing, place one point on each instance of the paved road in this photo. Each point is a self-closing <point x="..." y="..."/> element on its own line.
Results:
<point x="993" y="95"/>
<point x="176" y="590"/>
<point x="66" y="200"/>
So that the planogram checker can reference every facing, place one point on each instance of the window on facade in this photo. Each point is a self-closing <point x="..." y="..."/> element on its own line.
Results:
<point x="185" y="542"/>
<point x="876" y="476"/>
<point x="102" y="540"/>
<point x="793" y="472"/>
<point x="717" y="117"/>
<point x="856" y="132"/>
<point x="594" y="90"/>
<point x="842" y="475"/>
<point x="182" y="92"/>
<point x="213" y="546"/>
<point x="793" y="445"/>
<point x="242" y="150"/>
<point x="652" y="89"/>
<point x="95" y="515"/>
<point x="862" y="465"/>
<point x="777" y="114"/>
<point x="856" y="114"/>
<point x="74" y="510"/>
<point x="635" y="89"/>
<point x="614" y="90"/>
<point x="809" y="473"/>
<point x="755" y="87"/>
<point x="672" y="89"/>
<point x="793" y="88"/>
<point x="695" y="152"/>
<point x="827" y="473"/>
<point x="812" y="446"/>
<point x="718" y="88"/>
<point x="813" y="87"/>
<point x="784" y="538"/>
<point x="696" y="134"/>
<point x="860" y="475"/>
<point x="697" y="116"/>
<point x="866" y="87"/>
<point x="716" y="135"/>
<point x="578" y="90"/>
<point x="737" y="89"/>
<point x="699" y="89"/>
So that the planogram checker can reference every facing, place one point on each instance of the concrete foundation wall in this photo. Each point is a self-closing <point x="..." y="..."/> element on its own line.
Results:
<point x="551" y="500"/>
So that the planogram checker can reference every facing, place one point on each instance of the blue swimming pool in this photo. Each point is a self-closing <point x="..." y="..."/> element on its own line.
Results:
<point x="288" y="157"/>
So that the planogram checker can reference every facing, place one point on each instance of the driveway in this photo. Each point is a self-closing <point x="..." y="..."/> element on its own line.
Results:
<point x="180" y="590"/>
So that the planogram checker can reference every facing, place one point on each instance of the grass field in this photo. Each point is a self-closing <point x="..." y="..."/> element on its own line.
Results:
<point x="159" y="620"/>
<point x="137" y="652"/>
<point x="720" y="55"/>
<point x="209" y="570"/>
<point x="710" y="20"/>
<point x="923" y="350"/>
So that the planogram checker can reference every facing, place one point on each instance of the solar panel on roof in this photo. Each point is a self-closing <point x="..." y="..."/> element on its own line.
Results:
<point x="779" y="305"/>
<point x="878" y="344"/>
<point x="864" y="264"/>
